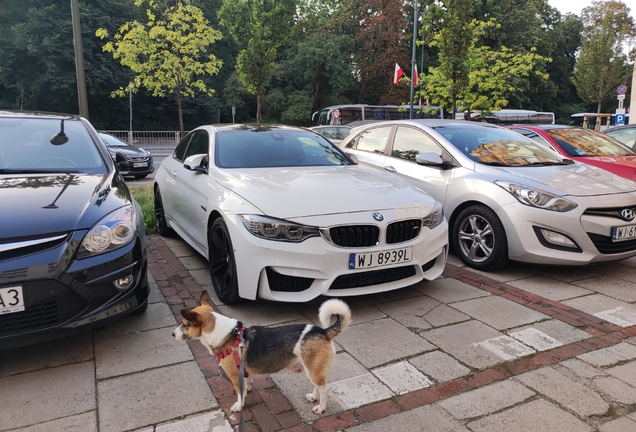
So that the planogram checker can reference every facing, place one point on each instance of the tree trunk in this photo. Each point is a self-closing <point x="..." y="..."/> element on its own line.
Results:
<point x="453" y="107"/>
<point x="598" y="106"/>
<point x="181" y="129"/>
<point x="259" y="96"/>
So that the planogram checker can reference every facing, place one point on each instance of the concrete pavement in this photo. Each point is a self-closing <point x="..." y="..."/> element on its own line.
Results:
<point x="526" y="348"/>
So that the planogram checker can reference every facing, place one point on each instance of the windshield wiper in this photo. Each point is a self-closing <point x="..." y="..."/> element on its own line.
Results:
<point x="548" y="163"/>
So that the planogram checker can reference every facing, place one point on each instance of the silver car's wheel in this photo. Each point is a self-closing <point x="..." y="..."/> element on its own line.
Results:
<point x="479" y="238"/>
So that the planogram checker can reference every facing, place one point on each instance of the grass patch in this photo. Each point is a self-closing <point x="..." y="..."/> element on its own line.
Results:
<point x="146" y="199"/>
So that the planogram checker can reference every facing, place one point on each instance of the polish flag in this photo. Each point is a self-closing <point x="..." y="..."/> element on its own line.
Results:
<point x="398" y="73"/>
<point x="415" y="77"/>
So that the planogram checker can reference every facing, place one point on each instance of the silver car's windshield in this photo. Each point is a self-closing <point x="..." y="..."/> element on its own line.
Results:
<point x="257" y="148"/>
<point x="496" y="146"/>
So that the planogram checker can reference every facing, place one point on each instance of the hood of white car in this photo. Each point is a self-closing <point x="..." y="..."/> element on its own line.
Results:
<point x="574" y="180"/>
<point x="311" y="191"/>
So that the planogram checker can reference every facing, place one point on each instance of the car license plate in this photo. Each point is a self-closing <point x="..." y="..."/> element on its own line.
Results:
<point x="140" y="164"/>
<point x="378" y="259"/>
<point x="624" y="233"/>
<point x="11" y="300"/>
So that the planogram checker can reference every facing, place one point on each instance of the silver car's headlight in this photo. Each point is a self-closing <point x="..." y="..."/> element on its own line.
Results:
<point x="435" y="217"/>
<point x="277" y="229"/>
<point x="113" y="231"/>
<point x="537" y="198"/>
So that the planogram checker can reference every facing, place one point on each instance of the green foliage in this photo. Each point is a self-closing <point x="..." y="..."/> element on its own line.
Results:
<point x="260" y="27"/>
<point x="168" y="54"/>
<point x="602" y="65"/>
<point x="145" y="197"/>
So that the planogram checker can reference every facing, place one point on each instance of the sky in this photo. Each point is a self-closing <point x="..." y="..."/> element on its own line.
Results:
<point x="575" y="6"/>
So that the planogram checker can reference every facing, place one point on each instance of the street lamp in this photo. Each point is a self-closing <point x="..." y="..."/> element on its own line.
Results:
<point x="79" y="60"/>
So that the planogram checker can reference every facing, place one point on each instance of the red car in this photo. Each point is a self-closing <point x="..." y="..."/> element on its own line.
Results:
<point x="584" y="145"/>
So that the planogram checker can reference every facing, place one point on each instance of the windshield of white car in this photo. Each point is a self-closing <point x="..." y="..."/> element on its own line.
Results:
<point x="497" y="146"/>
<point x="273" y="147"/>
<point x="48" y="145"/>
<point x="585" y="142"/>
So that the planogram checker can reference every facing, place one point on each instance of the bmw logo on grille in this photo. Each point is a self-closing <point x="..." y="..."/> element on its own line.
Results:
<point x="380" y="218"/>
<point x="627" y="214"/>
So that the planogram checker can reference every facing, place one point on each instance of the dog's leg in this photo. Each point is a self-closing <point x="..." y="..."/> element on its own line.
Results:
<point x="231" y="371"/>
<point x="320" y="393"/>
<point x="248" y="384"/>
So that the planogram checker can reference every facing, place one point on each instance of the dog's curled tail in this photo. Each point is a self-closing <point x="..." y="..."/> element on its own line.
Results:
<point x="340" y="310"/>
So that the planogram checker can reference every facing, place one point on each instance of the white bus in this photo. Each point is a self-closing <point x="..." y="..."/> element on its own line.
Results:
<point x="515" y="116"/>
<point x="590" y="120"/>
<point x="345" y="114"/>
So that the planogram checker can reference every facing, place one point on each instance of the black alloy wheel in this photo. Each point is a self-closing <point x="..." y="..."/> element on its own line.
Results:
<point x="222" y="263"/>
<point x="479" y="238"/>
<point x="160" y="216"/>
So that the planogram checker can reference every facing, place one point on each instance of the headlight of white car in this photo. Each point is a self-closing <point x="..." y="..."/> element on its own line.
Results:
<point x="113" y="231"/>
<point x="277" y="229"/>
<point x="435" y="217"/>
<point x="538" y="198"/>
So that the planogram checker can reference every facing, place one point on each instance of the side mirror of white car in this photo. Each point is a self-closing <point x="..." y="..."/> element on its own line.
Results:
<point x="429" y="159"/>
<point x="353" y="158"/>
<point x="195" y="163"/>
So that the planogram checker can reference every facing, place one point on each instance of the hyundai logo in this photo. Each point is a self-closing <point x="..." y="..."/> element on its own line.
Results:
<point x="380" y="218"/>
<point x="627" y="214"/>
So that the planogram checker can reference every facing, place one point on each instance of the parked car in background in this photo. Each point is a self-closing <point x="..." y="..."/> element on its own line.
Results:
<point x="282" y="214"/>
<point x="335" y="133"/>
<point x="625" y="134"/>
<point x="584" y="145"/>
<point x="506" y="197"/>
<point x="72" y="242"/>
<point x="131" y="160"/>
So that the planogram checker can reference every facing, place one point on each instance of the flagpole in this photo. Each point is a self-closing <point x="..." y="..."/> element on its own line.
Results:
<point x="413" y="60"/>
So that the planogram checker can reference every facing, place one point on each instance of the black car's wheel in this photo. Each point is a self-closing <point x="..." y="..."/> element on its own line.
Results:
<point x="222" y="263"/>
<point x="479" y="238"/>
<point x="160" y="216"/>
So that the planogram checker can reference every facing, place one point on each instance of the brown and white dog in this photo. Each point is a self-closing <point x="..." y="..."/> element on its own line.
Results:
<point x="269" y="350"/>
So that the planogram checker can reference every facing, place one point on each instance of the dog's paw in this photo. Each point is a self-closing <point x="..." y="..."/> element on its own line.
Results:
<point x="248" y="388"/>
<point x="317" y="410"/>
<point x="236" y="407"/>
<point x="310" y="397"/>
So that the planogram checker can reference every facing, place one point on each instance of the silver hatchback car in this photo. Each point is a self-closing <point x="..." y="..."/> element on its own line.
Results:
<point x="505" y="196"/>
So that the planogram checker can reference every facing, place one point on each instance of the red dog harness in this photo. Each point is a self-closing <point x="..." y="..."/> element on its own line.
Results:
<point x="233" y="350"/>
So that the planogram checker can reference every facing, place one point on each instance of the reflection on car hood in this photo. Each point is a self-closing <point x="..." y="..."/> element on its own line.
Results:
<point x="310" y="191"/>
<point x="575" y="180"/>
<point x="57" y="203"/>
<point x="131" y="151"/>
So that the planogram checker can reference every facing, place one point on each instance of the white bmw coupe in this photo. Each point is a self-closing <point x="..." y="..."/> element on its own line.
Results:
<point x="282" y="214"/>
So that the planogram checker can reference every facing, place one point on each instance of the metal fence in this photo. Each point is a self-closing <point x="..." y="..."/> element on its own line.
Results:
<point x="150" y="140"/>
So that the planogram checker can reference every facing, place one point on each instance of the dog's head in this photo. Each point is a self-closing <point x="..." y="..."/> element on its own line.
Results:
<point x="196" y="321"/>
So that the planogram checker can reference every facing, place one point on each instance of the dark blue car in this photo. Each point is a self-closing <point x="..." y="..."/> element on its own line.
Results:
<point x="72" y="239"/>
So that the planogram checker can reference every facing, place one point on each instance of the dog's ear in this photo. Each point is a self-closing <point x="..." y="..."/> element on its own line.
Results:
<point x="190" y="315"/>
<point x="205" y="299"/>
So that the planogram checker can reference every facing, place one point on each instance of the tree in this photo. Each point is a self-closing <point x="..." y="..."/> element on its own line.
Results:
<point x="602" y="64"/>
<point x="492" y="75"/>
<point x="383" y="40"/>
<point x="169" y="54"/>
<point x="450" y="23"/>
<point x="260" y="27"/>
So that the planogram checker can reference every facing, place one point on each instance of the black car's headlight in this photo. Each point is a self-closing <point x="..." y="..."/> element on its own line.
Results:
<point x="277" y="229"/>
<point x="537" y="198"/>
<point x="113" y="231"/>
<point x="435" y="217"/>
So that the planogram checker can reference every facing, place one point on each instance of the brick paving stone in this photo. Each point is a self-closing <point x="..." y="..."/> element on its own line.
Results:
<point x="288" y="419"/>
<point x="616" y="389"/>
<point x="486" y="377"/>
<point x="378" y="410"/>
<point x="486" y="400"/>
<point x="299" y="428"/>
<point x="276" y="402"/>
<point x="527" y="417"/>
<point x="418" y="398"/>
<point x="265" y="419"/>
<point x="336" y="422"/>
<point x="221" y="387"/>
